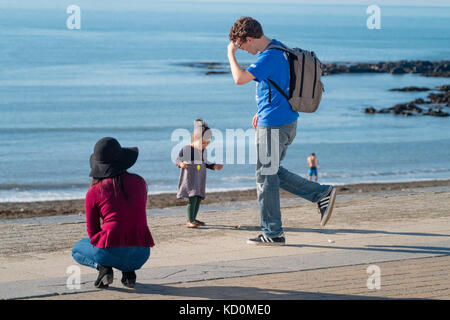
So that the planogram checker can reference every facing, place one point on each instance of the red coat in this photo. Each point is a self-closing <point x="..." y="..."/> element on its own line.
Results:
<point x="124" y="223"/>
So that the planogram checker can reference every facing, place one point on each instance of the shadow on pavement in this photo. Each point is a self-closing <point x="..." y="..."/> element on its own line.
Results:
<point x="384" y="248"/>
<point x="326" y="231"/>
<point x="235" y="293"/>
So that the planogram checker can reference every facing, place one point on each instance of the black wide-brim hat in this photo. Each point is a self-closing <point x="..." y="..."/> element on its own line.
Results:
<point x="110" y="159"/>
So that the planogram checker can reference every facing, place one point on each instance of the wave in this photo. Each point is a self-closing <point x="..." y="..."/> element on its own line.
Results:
<point x="32" y="196"/>
<point x="16" y="192"/>
<point x="350" y="175"/>
<point x="34" y="130"/>
<point x="42" y="186"/>
<point x="162" y="185"/>
<point x="238" y="179"/>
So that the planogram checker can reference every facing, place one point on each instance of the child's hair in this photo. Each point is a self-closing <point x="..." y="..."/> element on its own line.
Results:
<point x="201" y="130"/>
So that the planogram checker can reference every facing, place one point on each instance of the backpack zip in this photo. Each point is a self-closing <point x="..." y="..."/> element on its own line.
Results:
<point x="303" y="73"/>
<point x="315" y="77"/>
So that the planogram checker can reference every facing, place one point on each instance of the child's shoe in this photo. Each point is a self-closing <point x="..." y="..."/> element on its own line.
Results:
<point x="200" y="223"/>
<point x="192" y="224"/>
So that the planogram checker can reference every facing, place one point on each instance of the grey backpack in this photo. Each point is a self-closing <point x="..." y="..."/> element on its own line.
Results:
<point x="305" y="89"/>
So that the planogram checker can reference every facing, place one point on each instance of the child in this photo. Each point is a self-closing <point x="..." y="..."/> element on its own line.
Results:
<point x="193" y="162"/>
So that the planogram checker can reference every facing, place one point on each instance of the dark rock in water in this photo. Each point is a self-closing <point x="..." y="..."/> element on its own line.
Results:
<point x="404" y="109"/>
<point x="444" y="88"/>
<point x="420" y="101"/>
<point x="361" y="68"/>
<point x="370" y="110"/>
<point x="398" y="70"/>
<point x="437" y="74"/>
<point x="437" y="112"/>
<point x="426" y="68"/>
<point x="216" y="72"/>
<point x="411" y="89"/>
<point x="443" y="98"/>
<point x="331" y="68"/>
<point x="409" y="109"/>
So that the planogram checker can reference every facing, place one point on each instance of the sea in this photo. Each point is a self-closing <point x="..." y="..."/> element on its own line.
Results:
<point x="125" y="74"/>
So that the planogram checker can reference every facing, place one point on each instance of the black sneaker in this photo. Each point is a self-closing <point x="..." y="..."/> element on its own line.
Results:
<point x="105" y="277"/>
<point x="129" y="279"/>
<point x="326" y="205"/>
<point x="262" y="240"/>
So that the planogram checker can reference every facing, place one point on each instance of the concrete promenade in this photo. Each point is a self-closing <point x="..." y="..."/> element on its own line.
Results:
<point x="384" y="245"/>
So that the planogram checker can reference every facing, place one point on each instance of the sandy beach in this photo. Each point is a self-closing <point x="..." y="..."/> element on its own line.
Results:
<point x="18" y="210"/>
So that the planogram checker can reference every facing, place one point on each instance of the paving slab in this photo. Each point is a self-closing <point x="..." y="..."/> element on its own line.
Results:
<point x="398" y="227"/>
<point x="232" y="269"/>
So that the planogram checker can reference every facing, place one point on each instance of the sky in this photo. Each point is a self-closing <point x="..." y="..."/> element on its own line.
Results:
<point x="44" y="4"/>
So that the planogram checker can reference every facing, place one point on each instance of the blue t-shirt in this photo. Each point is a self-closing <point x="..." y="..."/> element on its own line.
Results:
<point x="272" y="64"/>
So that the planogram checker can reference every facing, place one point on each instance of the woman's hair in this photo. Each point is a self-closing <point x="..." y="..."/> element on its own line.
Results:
<point x="117" y="184"/>
<point x="201" y="130"/>
<point x="245" y="27"/>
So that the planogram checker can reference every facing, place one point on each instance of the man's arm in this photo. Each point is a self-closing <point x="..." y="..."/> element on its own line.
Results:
<point x="240" y="76"/>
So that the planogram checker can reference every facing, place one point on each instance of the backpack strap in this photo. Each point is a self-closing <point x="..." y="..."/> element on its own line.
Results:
<point x="285" y="49"/>
<point x="282" y="48"/>
<point x="279" y="89"/>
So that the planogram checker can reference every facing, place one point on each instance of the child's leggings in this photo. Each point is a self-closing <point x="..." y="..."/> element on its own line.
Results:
<point x="192" y="208"/>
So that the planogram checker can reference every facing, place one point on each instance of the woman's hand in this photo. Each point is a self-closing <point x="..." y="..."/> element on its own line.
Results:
<point x="218" y="166"/>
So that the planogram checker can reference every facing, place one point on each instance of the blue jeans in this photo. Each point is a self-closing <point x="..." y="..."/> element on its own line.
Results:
<point x="125" y="259"/>
<point x="271" y="148"/>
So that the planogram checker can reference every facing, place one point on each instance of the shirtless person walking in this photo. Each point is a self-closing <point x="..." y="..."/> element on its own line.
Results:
<point x="313" y="165"/>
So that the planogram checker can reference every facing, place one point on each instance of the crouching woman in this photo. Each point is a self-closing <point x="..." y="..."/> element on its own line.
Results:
<point x="116" y="219"/>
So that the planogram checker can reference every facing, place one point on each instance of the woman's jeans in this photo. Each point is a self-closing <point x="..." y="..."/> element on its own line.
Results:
<point x="271" y="146"/>
<point x="125" y="259"/>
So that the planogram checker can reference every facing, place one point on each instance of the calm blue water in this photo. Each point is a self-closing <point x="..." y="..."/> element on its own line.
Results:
<point x="62" y="90"/>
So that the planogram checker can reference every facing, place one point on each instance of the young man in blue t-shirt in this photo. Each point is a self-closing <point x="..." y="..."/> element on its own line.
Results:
<point x="276" y="126"/>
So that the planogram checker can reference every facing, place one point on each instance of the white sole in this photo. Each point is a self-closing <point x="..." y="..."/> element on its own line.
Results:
<point x="330" y="208"/>
<point x="270" y="244"/>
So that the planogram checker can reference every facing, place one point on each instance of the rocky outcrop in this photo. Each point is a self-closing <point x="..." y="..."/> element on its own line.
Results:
<point x="437" y="100"/>
<point x="411" y="89"/>
<point x="426" y="68"/>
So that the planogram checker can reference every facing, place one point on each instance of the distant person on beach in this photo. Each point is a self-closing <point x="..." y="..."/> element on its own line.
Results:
<point x="313" y="164"/>
<point x="275" y="123"/>
<point x="192" y="160"/>
<point x="116" y="217"/>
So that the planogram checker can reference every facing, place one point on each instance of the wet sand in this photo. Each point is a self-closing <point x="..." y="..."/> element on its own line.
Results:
<point x="17" y="210"/>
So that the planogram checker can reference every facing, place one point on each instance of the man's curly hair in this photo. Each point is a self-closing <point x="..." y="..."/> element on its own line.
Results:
<point x="245" y="27"/>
